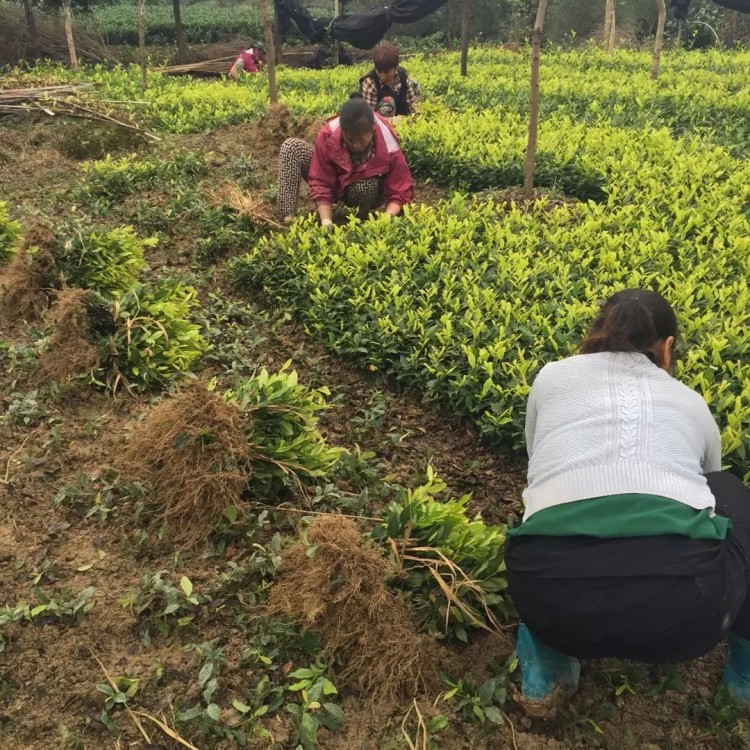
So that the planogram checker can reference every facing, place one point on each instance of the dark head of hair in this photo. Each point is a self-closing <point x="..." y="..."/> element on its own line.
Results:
<point x="356" y="95"/>
<point x="631" y="321"/>
<point x="356" y="117"/>
<point x="385" y="57"/>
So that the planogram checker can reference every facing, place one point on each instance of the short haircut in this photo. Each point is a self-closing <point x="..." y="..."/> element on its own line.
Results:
<point x="385" y="57"/>
<point x="356" y="117"/>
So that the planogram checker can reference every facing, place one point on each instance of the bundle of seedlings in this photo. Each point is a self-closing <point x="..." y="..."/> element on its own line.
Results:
<point x="10" y="232"/>
<point x="105" y="261"/>
<point x="28" y="276"/>
<point x="193" y="451"/>
<point x="70" y="350"/>
<point x="203" y="452"/>
<point x="333" y="582"/>
<point x="451" y="569"/>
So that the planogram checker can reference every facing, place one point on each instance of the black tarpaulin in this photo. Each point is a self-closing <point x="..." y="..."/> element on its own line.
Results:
<point x="680" y="7"/>
<point x="363" y="30"/>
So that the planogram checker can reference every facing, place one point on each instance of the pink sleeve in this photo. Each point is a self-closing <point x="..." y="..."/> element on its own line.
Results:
<point x="398" y="184"/>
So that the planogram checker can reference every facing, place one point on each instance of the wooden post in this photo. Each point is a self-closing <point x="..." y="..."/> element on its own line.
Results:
<point x="536" y="49"/>
<point x="276" y="33"/>
<point x="270" y="54"/>
<point x="336" y="44"/>
<point x="607" y="22"/>
<point x="612" y="29"/>
<point x="179" y="32"/>
<point x="659" y="41"/>
<point x="465" y="38"/>
<point x="142" y="41"/>
<point x="69" y="35"/>
<point x="31" y="25"/>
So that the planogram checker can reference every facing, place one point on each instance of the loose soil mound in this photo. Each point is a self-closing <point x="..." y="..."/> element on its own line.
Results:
<point x="70" y="352"/>
<point x="26" y="278"/>
<point x="193" y="451"/>
<point x="339" y="592"/>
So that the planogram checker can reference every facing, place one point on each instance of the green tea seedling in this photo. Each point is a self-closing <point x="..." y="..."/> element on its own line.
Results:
<point x="10" y="232"/>
<point x="160" y="606"/>
<point x="65" y="609"/>
<point x="115" y="698"/>
<point x="313" y="710"/>
<point x="478" y="704"/>
<point x="99" y="495"/>
<point x="438" y="540"/>
<point x="282" y="427"/>
<point x="24" y="409"/>
<point x="207" y="716"/>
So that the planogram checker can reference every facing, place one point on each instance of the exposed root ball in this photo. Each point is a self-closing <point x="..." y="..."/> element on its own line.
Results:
<point x="340" y="594"/>
<point x="193" y="450"/>
<point x="25" y="279"/>
<point x="70" y="352"/>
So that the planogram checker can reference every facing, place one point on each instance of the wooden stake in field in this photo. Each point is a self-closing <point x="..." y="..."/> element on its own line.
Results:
<point x="612" y="30"/>
<point x="336" y="46"/>
<point x="179" y="32"/>
<point x="142" y="41"/>
<point x="270" y="55"/>
<point x="69" y="35"/>
<point x="31" y="25"/>
<point x="465" y="38"/>
<point x="659" y="41"/>
<point x="536" y="51"/>
<point x="608" y="37"/>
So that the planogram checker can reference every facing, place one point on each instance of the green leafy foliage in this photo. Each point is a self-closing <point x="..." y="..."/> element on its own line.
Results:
<point x="10" y="233"/>
<point x="99" y="495"/>
<point x="151" y="340"/>
<point x="64" y="608"/>
<point x="116" y="178"/>
<point x="435" y="539"/>
<point x="282" y="428"/>
<point x="204" y="23"/>
<point x="108" y="262"/>
<point x="159" y="605"/>
<point x="483" y="702"/>
<point x="315" y="708"/>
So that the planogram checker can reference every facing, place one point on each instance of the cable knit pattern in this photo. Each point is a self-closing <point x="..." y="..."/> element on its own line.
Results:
<point x="614" y="423"/>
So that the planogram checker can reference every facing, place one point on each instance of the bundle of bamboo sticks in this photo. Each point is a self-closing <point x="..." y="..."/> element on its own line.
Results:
<point x="60" y="101"/>
<point x="48" y="39"/>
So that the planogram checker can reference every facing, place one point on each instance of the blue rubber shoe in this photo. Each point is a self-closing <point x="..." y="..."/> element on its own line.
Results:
<point x="737" y="668"/>
<point x="544" y="670"/>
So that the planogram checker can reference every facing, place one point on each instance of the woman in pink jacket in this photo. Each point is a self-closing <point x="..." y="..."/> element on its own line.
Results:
<point x="356" y="158"/>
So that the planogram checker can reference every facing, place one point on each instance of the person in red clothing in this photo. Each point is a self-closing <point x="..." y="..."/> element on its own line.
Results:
<point x="249" y="60"/>
<point x="356" y="158"/>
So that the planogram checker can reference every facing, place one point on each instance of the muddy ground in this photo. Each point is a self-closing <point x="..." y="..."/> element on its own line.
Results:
<point x="49" y="674"/>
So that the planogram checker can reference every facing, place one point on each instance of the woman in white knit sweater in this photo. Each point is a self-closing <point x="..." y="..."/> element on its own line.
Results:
<point x="634" y="544"/>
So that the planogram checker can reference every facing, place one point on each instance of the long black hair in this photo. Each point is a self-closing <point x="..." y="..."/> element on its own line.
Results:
<point x="631" y="321"/>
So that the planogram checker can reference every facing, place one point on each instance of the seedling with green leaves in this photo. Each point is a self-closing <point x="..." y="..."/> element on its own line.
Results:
<point x="316" y="707"/>
<point x="160" y="606"/>
<point x="99" y="495"/>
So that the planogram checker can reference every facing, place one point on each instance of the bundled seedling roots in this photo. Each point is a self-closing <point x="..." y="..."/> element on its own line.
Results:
<point x="70" y="352"/>
<point x="193" y="450"/>
<point x="336" y="587"/>
<point x="26" y="279"/>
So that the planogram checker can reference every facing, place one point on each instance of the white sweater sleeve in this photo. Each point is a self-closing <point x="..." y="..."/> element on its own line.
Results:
<point x="712" y="459"/>
<point x="531" y="410"/>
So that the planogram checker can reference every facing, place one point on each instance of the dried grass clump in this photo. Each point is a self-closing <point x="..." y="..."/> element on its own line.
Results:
<point x="24" y="282"/>
<point x="339" y="592"/>
<point x="250" y="205"/>
<point x="193" y="451"/>
<point x="70" y="352"/>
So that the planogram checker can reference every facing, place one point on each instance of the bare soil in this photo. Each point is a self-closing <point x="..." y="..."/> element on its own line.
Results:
<point x="49" y="674"/>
